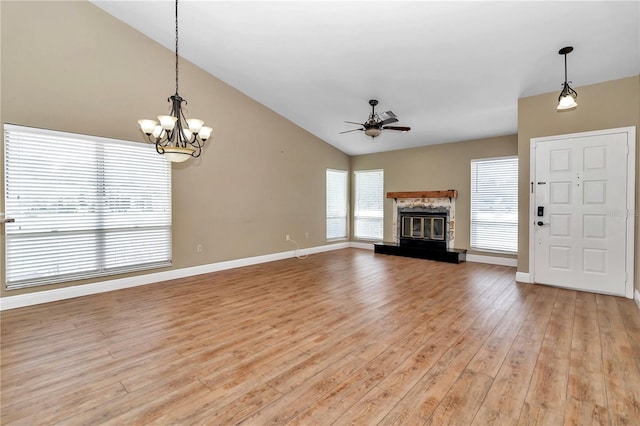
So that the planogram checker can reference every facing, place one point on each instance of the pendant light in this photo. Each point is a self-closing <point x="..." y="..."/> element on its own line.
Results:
<point x="567" y="98"/>
<point x="175" y="136"/>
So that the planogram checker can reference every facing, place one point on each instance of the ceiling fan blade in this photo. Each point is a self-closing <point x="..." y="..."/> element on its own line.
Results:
<point x="389" y="121"/>
<point x="349" y="131"/>
<point x="401" y="128"/>
<point x="388" y="118"/>
<point x="353" y="122"/>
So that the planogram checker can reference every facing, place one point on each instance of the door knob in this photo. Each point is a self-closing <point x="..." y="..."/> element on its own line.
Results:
<point x="541" y="223"/>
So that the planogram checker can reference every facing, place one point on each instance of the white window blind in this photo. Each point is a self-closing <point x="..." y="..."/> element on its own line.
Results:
<point x="336" y="204"/>
<point x="494" y="204"/>
<point x="83" y="207"/>
<point x="369" y="204"/>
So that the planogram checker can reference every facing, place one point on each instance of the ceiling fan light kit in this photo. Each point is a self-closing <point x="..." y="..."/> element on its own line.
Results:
<point x="374" y="126"/>
<point x="567" y="98"/>
<point x="373" y="132"/>
<point x="175" y="136"/>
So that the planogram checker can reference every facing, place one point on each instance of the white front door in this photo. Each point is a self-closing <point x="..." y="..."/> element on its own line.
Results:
<point x="580" y="216"/>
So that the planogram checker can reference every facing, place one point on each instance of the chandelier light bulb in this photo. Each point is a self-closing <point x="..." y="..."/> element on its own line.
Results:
<point x="195" y="125"/>
<point x="167" y="121"/>
<point x="205" y="132"/>
<point x="147" y="126"/>
<point x="158" y="131"/>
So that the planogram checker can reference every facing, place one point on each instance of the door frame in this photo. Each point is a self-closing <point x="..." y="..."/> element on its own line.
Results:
<point x="631" y="192"/>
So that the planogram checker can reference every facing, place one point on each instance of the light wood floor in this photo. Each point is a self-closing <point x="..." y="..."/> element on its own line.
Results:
<point x="344" y="337"/>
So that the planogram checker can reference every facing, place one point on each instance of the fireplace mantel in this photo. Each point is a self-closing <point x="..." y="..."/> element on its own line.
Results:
<point x="451" y="193"/>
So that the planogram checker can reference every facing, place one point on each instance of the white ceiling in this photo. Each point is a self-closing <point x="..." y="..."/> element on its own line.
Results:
<point x="451" y="70"/>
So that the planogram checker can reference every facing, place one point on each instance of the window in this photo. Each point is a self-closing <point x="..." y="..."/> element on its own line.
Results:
<point x="336" y="204"/>
<point x="83" y="207"/>
<point x="494" y="204"/>
<point x="369" y="204"/>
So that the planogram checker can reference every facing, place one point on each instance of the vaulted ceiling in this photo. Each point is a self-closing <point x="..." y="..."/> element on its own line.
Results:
<point x="451" y="70"/>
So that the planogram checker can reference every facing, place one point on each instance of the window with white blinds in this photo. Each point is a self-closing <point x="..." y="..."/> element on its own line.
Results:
<point x="336" y="204"/>
<point x="83" y="207"/>
<point x="494" y="204"/>
<point x="369" y="204"/>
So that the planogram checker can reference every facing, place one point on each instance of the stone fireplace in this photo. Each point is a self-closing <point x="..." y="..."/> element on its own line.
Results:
<point x="438" y="208"/>
<point x="424" y="226"/>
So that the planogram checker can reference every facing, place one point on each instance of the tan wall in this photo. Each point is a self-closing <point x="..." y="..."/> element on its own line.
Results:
<point x="436" y="167"/>
<point x="600" y="106"/>
<point x="70" y="66"/>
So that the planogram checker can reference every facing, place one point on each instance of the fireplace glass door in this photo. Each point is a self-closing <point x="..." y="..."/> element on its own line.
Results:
<point x="423" y="227"/>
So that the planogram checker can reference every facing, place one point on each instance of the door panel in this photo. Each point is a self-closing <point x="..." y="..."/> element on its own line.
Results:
<point x="581" y="242"/>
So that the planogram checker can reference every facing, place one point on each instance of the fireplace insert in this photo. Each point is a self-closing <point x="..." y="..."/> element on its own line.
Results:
<point x="423" y="229"/>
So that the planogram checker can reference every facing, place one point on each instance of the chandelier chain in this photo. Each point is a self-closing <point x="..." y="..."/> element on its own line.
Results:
<point x="176" y="47"/>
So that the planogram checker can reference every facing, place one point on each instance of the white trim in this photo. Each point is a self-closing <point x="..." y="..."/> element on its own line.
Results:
<point x="366" y="246"/>
<point x="524" y="277"/>
<point x="46" y="296"/>
<point x="532" y="214"/>
<point x="631" y="205"/>
<point x="638" y="298"/>
<point x="493" y="260"/>
<point x="631" y="182"/>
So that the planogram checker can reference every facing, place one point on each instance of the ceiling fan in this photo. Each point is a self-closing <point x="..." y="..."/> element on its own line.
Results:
<point x="377" y="122"/>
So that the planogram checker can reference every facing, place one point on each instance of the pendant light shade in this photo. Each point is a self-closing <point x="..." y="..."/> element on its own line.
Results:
<point x="567" y="98"/>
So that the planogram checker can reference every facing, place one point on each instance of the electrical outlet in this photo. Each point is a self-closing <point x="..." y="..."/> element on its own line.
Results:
<point x="306" y="234"/>
<point x="287" y="237"/>
<point x="199" y="248"/>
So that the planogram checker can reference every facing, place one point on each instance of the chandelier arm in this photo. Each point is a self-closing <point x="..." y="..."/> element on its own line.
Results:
<point x="182" y="117"/>
<point x="196" y="153"/>
<point x="180" y="138"/>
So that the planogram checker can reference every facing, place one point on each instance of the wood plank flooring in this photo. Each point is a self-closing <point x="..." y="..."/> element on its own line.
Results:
<point x="343" y="337"/>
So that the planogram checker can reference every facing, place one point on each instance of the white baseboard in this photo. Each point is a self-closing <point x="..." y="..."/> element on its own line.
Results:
<point x="28" y="299"/>
<point x="366" y="246"/>
<point x="637" y="298"/>
<point x="494" y="260"/>
<point x="523" y="277"/>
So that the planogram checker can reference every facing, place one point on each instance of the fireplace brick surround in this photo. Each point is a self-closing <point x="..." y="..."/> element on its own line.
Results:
<point x="423" y="203"/>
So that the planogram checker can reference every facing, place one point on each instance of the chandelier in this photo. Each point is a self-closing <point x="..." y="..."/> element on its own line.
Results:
<point x="567" y="98"/>
<point x="175" y="136"/>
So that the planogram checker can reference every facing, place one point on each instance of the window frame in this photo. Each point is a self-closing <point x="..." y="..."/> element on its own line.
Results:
<point x="329" y="211"/>
<point x="109" y="215"/>
<point x="506" y="227"/>
<point x="357" y="215"/>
